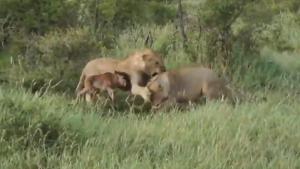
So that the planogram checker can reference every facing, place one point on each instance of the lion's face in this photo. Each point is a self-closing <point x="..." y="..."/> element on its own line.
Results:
<point x="153" y="63"/>
<point x="159" y="89"/>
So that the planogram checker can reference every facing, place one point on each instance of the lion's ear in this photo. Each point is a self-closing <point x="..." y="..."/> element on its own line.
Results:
<point x="150" y="86"/>
<point x="145" y="57"/>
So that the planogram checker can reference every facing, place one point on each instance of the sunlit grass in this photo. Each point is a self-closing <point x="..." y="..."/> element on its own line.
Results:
<point x="51" y="132"/>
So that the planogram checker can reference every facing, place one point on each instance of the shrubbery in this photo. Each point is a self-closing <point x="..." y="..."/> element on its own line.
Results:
<point x="44" y="44"/>
<point x="58" y="55"/>
<point x="236" y="38"/>
<point x="38" y="16"/>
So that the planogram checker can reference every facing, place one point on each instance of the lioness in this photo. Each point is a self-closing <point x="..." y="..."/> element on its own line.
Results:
<point x="187" y="85"/>
<point x="139" y="66"/>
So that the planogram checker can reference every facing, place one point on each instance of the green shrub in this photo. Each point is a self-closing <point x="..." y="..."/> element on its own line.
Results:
<point x="39" y="16"/>
<point x="58" y="55"/>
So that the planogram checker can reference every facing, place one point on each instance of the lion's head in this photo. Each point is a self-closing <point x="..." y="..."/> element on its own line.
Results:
<point x="159" y="88"/>
<point x="148" y="62"/>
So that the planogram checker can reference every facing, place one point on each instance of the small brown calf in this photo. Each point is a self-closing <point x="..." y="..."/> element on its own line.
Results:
<point x="107" y="81"/>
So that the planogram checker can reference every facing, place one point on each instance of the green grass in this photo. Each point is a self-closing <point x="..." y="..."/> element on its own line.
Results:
<point x="50" y="132"/>
<point x="4" y="60"/>
<point x="4" y="64"/>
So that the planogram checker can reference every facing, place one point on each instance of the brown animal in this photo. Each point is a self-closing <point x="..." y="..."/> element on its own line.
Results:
<point x="107" y="81"/>
<point x="140" y="66"/>
<point x="187" y="85"/>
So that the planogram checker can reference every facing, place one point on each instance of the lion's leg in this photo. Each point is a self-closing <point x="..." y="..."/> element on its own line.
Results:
<point x="88" y="90"/>
<point x="77" y="97"/>
<point x="213" y="94"/>
<point x="91" y="96"/>
<point x="80" y="84"/>
<point x="81" y="93"/>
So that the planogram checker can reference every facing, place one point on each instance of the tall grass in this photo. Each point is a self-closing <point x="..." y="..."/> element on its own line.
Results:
<point x="50" y="132"/>
<point x="43" y="130"/>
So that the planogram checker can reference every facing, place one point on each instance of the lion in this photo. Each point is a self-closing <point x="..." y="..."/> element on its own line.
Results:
<point x="140" y="66"/>
<point x="187" y="85"/>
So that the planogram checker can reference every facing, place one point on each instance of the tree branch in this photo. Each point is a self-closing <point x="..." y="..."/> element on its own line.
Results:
<point x="181" y="25"/>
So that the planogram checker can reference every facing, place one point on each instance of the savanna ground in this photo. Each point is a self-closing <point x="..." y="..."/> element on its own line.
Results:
<point x="254" y="44"/>
<point x="50" y="132"/>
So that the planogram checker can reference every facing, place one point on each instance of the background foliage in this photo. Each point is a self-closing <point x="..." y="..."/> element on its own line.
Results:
<point x="44" y="45"/>
<point x="252" y="42"/>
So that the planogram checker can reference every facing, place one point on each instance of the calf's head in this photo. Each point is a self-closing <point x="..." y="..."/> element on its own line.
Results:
<point x="122" y="81"/>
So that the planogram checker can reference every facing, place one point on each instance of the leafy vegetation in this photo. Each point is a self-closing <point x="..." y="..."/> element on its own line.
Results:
<point x="231" y="35"/>
<point x="45" y="44"/>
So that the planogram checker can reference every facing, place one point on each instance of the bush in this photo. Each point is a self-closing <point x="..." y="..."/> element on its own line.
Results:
<point x="160" y="38"/>
<point x="59" y="55"/>
<point x="33" y="127"/>
<point x="39" y="16"/>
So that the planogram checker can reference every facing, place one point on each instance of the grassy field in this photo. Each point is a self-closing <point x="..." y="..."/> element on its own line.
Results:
<point x="254" y="45"/>
<point x="50" y="132"/>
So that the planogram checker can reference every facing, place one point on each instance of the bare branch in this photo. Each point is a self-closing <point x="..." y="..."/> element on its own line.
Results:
<point x="181" y="25"/>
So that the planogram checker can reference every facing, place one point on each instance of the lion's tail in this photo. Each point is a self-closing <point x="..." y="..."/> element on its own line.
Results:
<point x="80" y="84"/>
